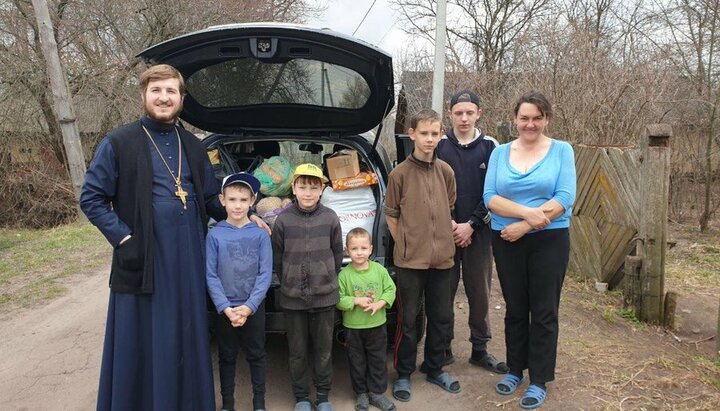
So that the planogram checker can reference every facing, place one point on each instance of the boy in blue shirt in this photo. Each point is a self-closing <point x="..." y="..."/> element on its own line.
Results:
<point x="238" y="274"/>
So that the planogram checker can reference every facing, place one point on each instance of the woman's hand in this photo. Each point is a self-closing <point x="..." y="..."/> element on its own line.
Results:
<point x="536" y="218"/>
<point x="515" y="231"/>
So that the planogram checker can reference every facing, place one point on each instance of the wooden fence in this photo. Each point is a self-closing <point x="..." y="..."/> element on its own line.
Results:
<point x="606" y="212"/>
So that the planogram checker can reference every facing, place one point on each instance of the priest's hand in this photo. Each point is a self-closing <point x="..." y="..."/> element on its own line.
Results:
<point x="260" y="223"/>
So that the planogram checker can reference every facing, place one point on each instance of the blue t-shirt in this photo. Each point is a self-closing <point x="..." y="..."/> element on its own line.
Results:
<point x="552" y="178"/>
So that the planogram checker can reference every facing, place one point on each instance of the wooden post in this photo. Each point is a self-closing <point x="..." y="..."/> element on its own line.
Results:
<point x="61" y="96"/>
<point x="717" y="337"/>
<point x="632" y="295"/>
<point x="503" y="132"/>
<point x="670" y="307"/>
<point x="654" y="187"/>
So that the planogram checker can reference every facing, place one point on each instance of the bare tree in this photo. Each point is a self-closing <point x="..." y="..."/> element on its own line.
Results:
<point x="97" y="42"/>
<point x="480" y="33"/>
<point x="692" y="46"/>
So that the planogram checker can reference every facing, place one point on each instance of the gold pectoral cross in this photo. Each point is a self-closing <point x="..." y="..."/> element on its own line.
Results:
<point x="181" y="193"/>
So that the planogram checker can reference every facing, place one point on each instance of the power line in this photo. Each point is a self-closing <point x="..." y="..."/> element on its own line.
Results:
<point x="363" y="19"/>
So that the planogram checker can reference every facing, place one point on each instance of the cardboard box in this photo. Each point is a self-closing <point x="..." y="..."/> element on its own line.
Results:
<point x="343" y="164"/>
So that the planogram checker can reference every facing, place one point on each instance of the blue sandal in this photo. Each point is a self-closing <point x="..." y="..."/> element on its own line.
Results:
<point x="509" y="384"/>
<point x="446" y="382"/>
<point x="401" y="390"/>
<point x="533" y="398"/>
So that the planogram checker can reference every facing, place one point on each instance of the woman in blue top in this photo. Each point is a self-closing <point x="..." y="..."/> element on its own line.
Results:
<point x="530" y="190"/>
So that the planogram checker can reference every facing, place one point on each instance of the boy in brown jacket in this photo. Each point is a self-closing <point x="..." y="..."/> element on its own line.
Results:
<point x="418" y="206"/>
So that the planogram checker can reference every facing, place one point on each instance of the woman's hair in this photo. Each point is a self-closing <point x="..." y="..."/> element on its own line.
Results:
<point x="538" y="100"/>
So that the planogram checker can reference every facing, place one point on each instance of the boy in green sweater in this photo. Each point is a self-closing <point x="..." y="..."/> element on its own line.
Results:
<point x="366" y="290"/>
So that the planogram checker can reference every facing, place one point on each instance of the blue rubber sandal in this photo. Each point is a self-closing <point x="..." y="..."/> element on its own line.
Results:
<point x="533" y="398"/>
<point x="510" y="383"/>
<point x="446" y="382"/>
<point x="401" y="390"/>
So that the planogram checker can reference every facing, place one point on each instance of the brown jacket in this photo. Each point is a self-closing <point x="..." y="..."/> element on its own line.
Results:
<point x="421" y="196"/>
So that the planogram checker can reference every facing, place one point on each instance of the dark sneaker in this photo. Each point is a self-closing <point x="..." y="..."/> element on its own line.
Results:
<point x="382" y="402"/>
<point x="362" y="403"/>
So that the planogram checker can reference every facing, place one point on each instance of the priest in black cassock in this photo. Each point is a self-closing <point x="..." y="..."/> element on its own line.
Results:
<point x="149" y="189"/>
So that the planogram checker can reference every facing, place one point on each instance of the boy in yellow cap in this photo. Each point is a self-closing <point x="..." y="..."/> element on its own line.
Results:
<point x="307" y="255"/>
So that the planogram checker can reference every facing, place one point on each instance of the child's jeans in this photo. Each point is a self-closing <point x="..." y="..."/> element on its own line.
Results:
<point x="412" y="285"/>
<point x="367" y="355"/>
<point x="310" y="335"/>
<point x="251" y="337"/>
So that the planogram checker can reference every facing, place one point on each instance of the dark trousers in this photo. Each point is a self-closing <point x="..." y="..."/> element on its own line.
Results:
<point x="367" y="355"/>
<point x="475" y="262"/>
<point x="531" y="272"/>
<point x="251" y="337"/>
<point x="411" y="285"/>
<point x="310" y="335"/>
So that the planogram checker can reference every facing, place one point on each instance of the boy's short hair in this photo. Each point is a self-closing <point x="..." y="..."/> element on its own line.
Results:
<point x="302" y="179"/>
<point x="357" y="232"/>
<point x="425" y="115"/>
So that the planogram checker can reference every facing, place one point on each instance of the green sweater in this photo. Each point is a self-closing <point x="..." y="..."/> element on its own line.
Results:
<point x="375" y="282"/>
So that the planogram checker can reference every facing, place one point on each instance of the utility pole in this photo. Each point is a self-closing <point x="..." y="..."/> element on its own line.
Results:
<point x="61" y="96"/>
<point x="439" y="72"/>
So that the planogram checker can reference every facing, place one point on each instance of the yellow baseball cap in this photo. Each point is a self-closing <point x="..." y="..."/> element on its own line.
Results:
<point x="309" y="169"/>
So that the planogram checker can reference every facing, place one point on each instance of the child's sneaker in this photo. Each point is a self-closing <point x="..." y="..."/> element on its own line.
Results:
<point x="362" y="403"/>
<point x="382" y="402"/>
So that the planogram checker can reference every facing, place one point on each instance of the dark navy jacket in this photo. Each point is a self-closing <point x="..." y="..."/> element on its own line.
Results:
<point x="469" y="162"/>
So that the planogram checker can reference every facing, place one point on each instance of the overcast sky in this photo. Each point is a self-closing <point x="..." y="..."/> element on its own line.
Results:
<point x="381" y="27"/>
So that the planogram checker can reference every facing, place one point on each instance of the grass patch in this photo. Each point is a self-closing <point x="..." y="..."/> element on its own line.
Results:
<point x="33" y="263"/>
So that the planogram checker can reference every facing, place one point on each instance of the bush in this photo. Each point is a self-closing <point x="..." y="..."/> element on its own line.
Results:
<point x="35" y="194"/>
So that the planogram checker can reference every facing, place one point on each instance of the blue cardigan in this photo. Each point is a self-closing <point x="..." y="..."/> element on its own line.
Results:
<point x="239" y="265"/>
<point x="552" y="178"/>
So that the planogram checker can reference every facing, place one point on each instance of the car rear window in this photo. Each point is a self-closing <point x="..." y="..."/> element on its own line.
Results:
<point x="247" y="81"/>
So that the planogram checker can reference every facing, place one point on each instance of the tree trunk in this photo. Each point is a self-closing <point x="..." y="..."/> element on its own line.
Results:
<point x="61" y="96"/>
<point x="707" y="212"/>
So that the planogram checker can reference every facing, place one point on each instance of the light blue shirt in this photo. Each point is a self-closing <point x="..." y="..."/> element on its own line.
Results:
<point x="552" y="178"/>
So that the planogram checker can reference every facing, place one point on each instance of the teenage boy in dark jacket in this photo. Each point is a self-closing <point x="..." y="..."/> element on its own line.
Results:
<point x="467" y="150"/>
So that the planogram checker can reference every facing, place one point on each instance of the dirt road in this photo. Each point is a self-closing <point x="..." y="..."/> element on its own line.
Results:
<point x="51" y="361"/>
<point x="51" y="355"/>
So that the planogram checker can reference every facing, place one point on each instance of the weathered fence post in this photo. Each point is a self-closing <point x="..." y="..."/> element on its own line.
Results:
<point x="654" y="186"/>
<point x="503" y="132"/>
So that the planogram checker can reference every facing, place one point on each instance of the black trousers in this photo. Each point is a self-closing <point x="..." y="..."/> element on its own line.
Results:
<point x="411" y="285"/>
<point x="310" y="336"/>
<point x="251" y="337"/>
<point x="367" y="355"/>
<point x="475" y="263"/>
<point x="531" y="272"/>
